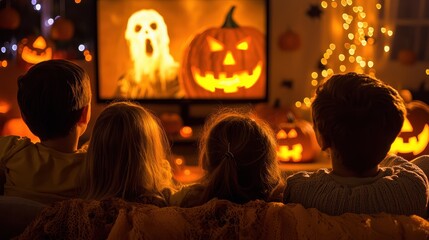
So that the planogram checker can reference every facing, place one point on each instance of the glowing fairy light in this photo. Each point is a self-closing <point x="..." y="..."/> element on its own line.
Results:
<point x="351" y="54"/>
<point x="427" y="71"/>
<point x="314" y="82"/>
<point x="314" y="75"/>
<point x="3" y="49"/>
<point x="324" y="4"/>
<point x="386" y="48"/>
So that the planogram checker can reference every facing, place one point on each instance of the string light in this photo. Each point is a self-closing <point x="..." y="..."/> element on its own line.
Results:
<point x="359" y="34"/>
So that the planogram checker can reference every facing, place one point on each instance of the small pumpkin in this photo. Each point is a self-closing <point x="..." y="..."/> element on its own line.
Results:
<point x="9" y="18"/>
<point x="172" y="123"/>
<point x="62" y="29"/>
<point x="225" y="62"/>
<point x="273" y="114"/>
<point x="296" y="141"/>
<point x="289" y="40"/>
<point x="413" y="140"/>
<point x="407" y="56"/>
<point x="35" y="49"/>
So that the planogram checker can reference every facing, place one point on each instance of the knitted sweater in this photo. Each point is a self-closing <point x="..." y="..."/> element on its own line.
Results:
<point x="400" y="187"/>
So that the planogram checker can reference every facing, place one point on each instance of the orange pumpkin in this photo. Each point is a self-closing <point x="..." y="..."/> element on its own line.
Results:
<point x="289" y="40"/>
<point x="296" y="141"/>
<point x="62" y="29"/>
<point x="407" y="56"/>
<point x="225" y="62"/>
<point x="413" y="140"/>
<point x="34" y="49"/>
<point x="9" y="18"/>
<point x="172" y="123"/>
<point x="273" y="114"/>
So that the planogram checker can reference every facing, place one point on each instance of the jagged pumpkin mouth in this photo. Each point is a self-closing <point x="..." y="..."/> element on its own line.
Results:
<point x="415" y="145"/>
<point x="294" y="153"/>
<point x="231" y="84"/>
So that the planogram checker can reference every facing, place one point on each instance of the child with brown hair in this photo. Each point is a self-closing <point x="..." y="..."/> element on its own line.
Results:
<point x="127" y="157"/>
<point x="54" y="98"/>
<point x="238" y="153"/>
<point x="356" y="118"/>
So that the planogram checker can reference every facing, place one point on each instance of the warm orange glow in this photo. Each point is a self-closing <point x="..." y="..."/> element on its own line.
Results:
<point x="229" y="59"/>
<point x="228" y="84"/>
<point x="178" y="161"/>
<point x="281" y="134"/>
<point x="243" y="45"/>
<point x="294" y="154"/>
<point x="186" y="132"/>
<point x="88" y="58"/>
<point x="4" y="63"/>
<point x="415" y="145"/>
<point x="187" y="172"/>
<point x="4" y="107"/>
<point x="77" y="1"/>
<point x="17" y="127"/>
<point x="214" y="44"/>
<point x="40" y="43"/>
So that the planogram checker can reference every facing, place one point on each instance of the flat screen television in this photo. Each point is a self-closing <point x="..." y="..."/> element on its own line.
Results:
<point x="172" y="51"/>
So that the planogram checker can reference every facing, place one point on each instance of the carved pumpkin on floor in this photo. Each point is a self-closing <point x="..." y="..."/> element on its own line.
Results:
<point x="35" y="49"/>
<point x="225" y="62"/>
<point x="413" y="140"/>
<point x="296" y="141"/>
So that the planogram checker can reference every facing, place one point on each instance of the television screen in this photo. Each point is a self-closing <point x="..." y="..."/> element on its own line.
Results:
<point x="172" y="50"/>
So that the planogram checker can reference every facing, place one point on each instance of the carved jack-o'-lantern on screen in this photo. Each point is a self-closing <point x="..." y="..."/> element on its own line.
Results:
<point x="197" y="60"/>
<point x="413" y="140"/>
<point x="225" y="62"/>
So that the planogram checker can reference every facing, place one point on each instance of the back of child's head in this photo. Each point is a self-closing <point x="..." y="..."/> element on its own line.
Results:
<point x="126" y="155"/>
<point x="51" y="97"/>
<point x="357" y="117"/>
<point x="238" y="151"/>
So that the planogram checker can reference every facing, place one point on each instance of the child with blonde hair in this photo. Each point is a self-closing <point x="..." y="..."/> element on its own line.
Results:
<point x="55" y="102"/>
<point x="127" y="157"/>
<point x="238" y="153"/>
<point x="356" y="118"/>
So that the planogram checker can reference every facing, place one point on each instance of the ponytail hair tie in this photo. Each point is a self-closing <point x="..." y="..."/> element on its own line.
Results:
<point x="229" y="155"/>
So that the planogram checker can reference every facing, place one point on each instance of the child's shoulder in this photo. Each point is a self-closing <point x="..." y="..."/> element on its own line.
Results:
<point x="9" y="145"/>
<point x="187" y="195"/>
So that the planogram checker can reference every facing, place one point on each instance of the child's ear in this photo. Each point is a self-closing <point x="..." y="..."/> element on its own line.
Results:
<point x="86" y="114"/>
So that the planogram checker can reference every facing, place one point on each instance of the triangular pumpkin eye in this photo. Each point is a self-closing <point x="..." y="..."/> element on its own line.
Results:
<point x="281" y="134"/>
<point x="215" y="45"/>
<point x="244" y="44"/>
<point x="292" y="134"/>
<point x="407" y="127"/>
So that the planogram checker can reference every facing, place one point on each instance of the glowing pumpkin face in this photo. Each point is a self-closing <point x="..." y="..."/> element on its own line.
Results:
<point x="413" y="140"/>
<point x="296" y="142"/>
<point x="35" y="49"/>
<point x="225" y="62"/>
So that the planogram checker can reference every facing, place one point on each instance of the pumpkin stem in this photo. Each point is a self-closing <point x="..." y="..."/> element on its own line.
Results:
<point x="229" y="21"/>
<point x="277" y="103"/>
<point x="290" y="117"/>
